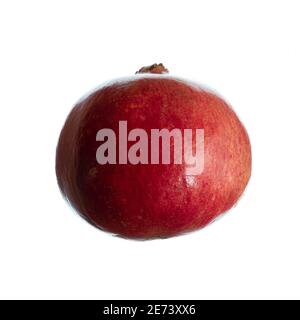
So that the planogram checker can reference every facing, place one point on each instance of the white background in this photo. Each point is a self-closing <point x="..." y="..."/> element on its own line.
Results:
<point x="52" y="52"/>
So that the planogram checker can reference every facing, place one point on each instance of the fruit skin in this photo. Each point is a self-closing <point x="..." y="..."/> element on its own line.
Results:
<point x="152" y="201"/>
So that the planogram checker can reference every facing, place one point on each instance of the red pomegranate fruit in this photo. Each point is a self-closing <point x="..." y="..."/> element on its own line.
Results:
<point x="152" y="156"/>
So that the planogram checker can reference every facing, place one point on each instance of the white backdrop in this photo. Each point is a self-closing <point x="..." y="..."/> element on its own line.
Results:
<point x="52" y="52"/>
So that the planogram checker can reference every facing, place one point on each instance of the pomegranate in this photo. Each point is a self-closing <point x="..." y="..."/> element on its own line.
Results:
<point x="152" y="156"/>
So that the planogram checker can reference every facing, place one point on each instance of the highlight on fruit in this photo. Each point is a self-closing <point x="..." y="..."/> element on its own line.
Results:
<point x="152" y="156"/>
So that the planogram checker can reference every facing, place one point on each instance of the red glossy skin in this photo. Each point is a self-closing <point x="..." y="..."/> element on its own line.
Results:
<point x="151" y="201"/>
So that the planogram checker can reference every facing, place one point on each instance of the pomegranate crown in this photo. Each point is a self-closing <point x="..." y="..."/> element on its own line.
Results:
<point x="157" y="68"/>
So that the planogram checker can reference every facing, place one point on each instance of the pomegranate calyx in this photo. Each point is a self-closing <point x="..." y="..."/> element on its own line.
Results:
<point x="157" y="68"/>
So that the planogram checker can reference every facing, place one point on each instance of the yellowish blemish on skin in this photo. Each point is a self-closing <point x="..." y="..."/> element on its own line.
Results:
<point x="135" y="106"/>
<point x="93" y="172"/>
